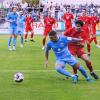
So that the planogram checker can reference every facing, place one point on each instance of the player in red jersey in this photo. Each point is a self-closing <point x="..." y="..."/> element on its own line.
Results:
<point x="68" y="17"/>
<point x="29" y="27"/>
<point x="86" y="20"/>
<point x="94" y="21"/>
<point x="76" y="49"/>
<point x="48" y="24"/>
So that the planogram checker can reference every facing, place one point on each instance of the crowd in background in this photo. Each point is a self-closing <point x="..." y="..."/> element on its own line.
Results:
<point x="57" y="10"/>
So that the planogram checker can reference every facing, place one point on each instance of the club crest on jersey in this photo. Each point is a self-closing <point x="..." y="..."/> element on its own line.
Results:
<point x="59" y="49"/>
<point x="62" y="44"/>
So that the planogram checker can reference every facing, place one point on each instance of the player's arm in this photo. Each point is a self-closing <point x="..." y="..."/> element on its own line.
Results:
<point x="70" y="39"/>
<point x="47" y="55"/>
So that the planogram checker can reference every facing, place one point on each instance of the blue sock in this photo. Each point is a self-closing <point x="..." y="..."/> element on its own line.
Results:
<point x="9" y="41"/>
<point x="83" y="71"/>
<point x="21" y="40"/>
<point x="63" y="72"/>
<point x="14" y="41"/>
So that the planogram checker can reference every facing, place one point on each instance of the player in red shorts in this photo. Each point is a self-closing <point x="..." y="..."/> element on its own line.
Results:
<point x="94" y="21"/>
<point x="76" y="49"/>
<point x="86" y="20"/>
<point x="29" y="27"/>
<point x="68" y="17"/>
<point x="48" y="24"/>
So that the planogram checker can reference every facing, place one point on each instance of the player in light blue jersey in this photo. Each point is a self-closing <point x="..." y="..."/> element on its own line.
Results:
<point x="20" y="27"/>
<point x="59" y="45"/>
<point x="12" y="19"/>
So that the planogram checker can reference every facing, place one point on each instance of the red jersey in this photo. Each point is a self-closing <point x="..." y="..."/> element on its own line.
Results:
<point x="68" y="20"/>
<point x="73" y="33"/>
<point x="86" y="26"/>
<point x="94" y="20"/>
<point x="48" y="22"/>
<point x="29" y="21"/>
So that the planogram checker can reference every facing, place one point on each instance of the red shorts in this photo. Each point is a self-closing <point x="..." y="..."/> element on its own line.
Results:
<point x="46" y="32"/>
<point x="76" y="51"/>
<point x="28" y="29"/>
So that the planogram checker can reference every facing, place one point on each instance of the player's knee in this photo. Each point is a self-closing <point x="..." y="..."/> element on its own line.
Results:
<point x="58" y="68"/>
<point x="76" y="66"/>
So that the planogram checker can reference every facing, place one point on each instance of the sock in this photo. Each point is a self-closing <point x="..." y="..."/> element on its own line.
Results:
<point x="63" y="72"/>
<point x="91" y="40"/>
<point x="83" y="71"/>
<point x="88" y="48"/>
<point x="21" y="40"/>
<point x="9" y="41"/>
<point x="14" y="41"/>
<point x="32" y="35"/>
<point x="89" y="65"/>
<point x="26" y="36"/>
<point x="95" y="40"/>
<point x="44" y="40"/>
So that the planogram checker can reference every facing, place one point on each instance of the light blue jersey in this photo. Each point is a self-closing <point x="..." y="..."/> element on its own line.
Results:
<point x="20" y="21"/>
<point x="12" y="18"/>
<point x="61" y="51"/>
<point x="20" y="24"/>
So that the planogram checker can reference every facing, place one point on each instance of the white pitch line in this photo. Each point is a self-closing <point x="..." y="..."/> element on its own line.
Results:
<point x="36" y="70"/>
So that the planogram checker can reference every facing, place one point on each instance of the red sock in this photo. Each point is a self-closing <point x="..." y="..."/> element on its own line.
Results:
<point x="26" y="36"/>
<point x="91" y="40"/>
<point x="43" y="42"/>
<point x="89" y="65"/>
<point x="32" y="35"/>
<point x="88" y="48"/>
<point x="95" y="40"/>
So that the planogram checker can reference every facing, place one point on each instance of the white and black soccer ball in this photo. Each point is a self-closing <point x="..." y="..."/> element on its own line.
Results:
<point x="18" y="77"/>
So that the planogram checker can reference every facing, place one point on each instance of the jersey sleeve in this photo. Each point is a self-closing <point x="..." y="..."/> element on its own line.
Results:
<point x="48" y="47"/>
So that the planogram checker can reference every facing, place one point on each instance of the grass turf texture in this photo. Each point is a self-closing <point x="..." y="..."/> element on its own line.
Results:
<point x="41" y="83"/>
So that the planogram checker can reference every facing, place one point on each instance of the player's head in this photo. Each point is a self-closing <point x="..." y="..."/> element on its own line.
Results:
<point x="53" y="36"/>
<point x="28" y="15"/>
<point x="68" y="9"/>
<point x="79" y="24"/>
<point x="84" y="12"/>
<point x="21" y="12"/>
<point x="95" y="14"/>
<point x="14" y="9"/>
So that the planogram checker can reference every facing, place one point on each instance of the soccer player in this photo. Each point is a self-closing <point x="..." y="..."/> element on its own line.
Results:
<point x="29" y="27"/>
<point x="20" y="27"/>
<point x="48" y="24"/>
<point x="68" y="18"/>
<point x="86" y="20"/>
<point x="94" y="21"/>
<point x="76" y="48"/>
<point x="12" y="19"/>
<point x="59" y="45"/>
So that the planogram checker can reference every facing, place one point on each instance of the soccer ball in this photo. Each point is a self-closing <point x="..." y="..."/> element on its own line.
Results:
<point x="18" y="77"/>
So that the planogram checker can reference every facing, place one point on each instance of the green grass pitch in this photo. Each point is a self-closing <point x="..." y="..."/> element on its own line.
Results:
<point x="41" y="83"/>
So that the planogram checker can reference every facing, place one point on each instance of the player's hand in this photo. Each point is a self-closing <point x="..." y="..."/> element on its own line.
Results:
<point x="46" y="63"/>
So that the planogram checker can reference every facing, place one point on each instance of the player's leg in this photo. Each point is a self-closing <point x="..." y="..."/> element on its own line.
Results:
<point x="10" y="39"/>
<point x="44" y="39"/>
<point x="89" y="48"/>
<point x="32" y="34"/>
<point x="73" y="62"/>
<point x="26" y="35"/>
<point x="60" y="65"/>
<point x="85" y="58"/>
<point x="14" y="39"/>
<point x="21" y="38"/>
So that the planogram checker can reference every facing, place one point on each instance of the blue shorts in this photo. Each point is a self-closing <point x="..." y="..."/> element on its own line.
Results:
<point x="71" y="61"/>
<point x="13" y="30"/>
<point x="20" y="31"/>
